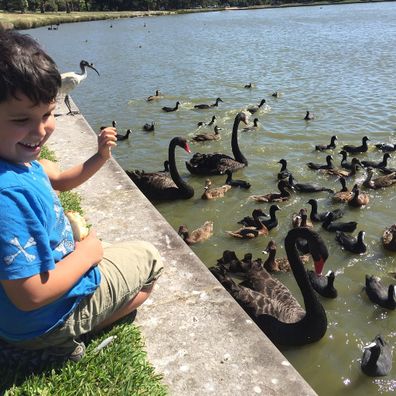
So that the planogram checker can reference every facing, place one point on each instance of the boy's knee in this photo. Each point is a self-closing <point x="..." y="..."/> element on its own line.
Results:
<point x="155" y="262"/>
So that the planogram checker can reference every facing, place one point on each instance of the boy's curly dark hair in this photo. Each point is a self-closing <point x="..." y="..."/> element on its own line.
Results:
<point x="26" y="68"/>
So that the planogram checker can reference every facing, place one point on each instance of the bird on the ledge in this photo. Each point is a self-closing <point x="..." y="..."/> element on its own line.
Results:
<point x="70" y="80"/>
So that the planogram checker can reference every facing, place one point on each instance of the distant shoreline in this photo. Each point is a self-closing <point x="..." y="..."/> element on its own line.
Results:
<point x="34" y="20"/>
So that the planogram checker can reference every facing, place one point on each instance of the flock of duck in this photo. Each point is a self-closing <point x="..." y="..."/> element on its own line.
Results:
<point x="264" y="297"/>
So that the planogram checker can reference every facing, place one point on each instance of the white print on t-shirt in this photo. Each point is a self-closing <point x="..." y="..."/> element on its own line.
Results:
<point x="29" y="257"/>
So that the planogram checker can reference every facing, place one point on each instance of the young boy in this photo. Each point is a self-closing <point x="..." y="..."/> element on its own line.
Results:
<point x="52" y="288"/>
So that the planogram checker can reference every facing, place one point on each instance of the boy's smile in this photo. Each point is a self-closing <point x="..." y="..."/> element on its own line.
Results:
<point x="24" y="128"/>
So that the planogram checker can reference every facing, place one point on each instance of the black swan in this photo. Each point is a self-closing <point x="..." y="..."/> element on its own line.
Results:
<point x="236" y="182"/>
<point x="380" y="181"/>
<point x="323" y="284"/>
<point x="203" y="137"/>
<point x="255" y="109"/>
<point x="258" y="229"/>
<point x="357" y="149"/>
<point x="284" y="172"/>
<point x="198" y="235"/>
<point x="252" y="127"/>
<point x="379" y="294"/>
<point x="389" y="238"/>
<point x="279" y="264"/>
<point x="348" y="165"/>
<point x="307" y="188"/>
<point x="324" y="147"/>
<point x="377" y="358"/>
<point x="328" y="165"/>
<point x="283" y="195"/>
<point x="320" y="217"/>
<point x="350" y="243"/>
<point x="375" y="164"/>
<point x="331" y="226"/>
<point x="270" y="303"/>
<point x="308" y="116"/>
<point x="155" y="97"/>
<point x="272" y="222"/>
<point x="208" y="106"/>
<point x="215" y="192"/>
<point x="216" y="163"/>
<point x="160" y="185"/>
<point x="169" y="109"/>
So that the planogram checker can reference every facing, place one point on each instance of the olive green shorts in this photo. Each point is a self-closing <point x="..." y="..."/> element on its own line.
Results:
<point x="126" y="268"/>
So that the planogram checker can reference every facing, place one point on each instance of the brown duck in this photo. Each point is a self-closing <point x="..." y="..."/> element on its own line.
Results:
<point x="198" y="235"/>
<point x="283" y="195"/>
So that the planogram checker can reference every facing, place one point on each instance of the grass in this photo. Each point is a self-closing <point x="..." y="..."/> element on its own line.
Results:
<point x="119" y="369"/>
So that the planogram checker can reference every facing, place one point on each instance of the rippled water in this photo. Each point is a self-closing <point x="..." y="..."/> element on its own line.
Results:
<point x="337" y="61"/>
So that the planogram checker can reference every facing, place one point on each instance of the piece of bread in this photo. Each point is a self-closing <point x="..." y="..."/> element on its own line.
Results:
<point x="78" y="225"/>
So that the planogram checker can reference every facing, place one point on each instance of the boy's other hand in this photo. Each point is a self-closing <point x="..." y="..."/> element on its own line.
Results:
<point x="106" y="140"/>
<point x="92" y="246"/>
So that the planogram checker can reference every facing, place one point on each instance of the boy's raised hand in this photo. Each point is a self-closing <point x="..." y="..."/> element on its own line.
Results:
<point x="106" y="140"/>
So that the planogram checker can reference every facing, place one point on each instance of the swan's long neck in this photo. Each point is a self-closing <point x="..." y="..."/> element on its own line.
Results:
<point x="234" y="143"/>
<point x="180" y="183"/>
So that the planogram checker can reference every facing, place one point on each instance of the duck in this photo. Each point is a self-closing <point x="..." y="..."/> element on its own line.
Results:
<point x="344" y="195"/>
<point x="155" y="97"/>
<point x="214" y="193"/>
<point x="276" y="94"/>
<point x="259" y="229"/>
<point x="252" y="127"/>
<point x="352" y="244"/>
<point x="341" y="172"/>
<point x="160" y="186"/>
<point x="204" y="137"/>
<point x="320" y="217"/>
<point x="198" y="235"/>
<point x="328" y="165"/>
<point x="300" y="219"/>
<point x="380" y="181"/>
<point x="386" y="147"/>
<point x="170" y="109"/>
<point x="210" y="123"/>
<point x="255" y="109"/>
<point x="357" y="149"/>
<point x="248" y="85"/>
<point x="331" y="146"/>
<point x="377" y="358"/>
<point x="307" y="188"/>
<point x="283" y="195"/>
<point x="284" y="172"/>
<point x="323" y="284"/>
<point x="208" y="106"/>
<point x="236" y="182"/>
<point x="348" y="165"/>
<point x="271" y="223"/>
<point x="231" y="263"/>
<point x="374" y="164"/>
<point x="386" y="170"/>
<point x="359" y="198"/>
<point x="216" y="163"/>
<point x="309" y="116"/>
<point x="124" y="137"/>
<point x="270" y="303"/>
<point x="331" y="226"/>
<point x="379" y="294"/>
<point x="280" y="264"/>
<point x="149" y="127"/>
<point x="389" y="238"/>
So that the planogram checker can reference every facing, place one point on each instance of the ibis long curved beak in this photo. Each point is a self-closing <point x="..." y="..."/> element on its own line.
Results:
<point x="91" y="66"/>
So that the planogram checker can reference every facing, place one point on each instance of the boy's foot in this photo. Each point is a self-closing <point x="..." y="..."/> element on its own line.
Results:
<point x="78" y="353"/>
<point x="65" y="354"/>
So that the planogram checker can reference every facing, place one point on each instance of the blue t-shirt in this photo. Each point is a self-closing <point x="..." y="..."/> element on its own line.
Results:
<point x="34" y="235"/>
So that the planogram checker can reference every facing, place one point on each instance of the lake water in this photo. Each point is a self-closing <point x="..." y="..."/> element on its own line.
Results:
<point x="337" y="61"/>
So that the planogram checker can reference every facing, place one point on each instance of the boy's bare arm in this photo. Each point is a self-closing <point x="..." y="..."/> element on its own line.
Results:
<point x="36" y="291"/>
<point x="73" y="177"/>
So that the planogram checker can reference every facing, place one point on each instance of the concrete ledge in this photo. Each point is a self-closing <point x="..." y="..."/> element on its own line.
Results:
<point x="196" y="335"/>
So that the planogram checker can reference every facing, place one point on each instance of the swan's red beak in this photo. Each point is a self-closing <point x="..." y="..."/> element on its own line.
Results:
<point x="319" y="264"/>
<point x="187" y="148"/>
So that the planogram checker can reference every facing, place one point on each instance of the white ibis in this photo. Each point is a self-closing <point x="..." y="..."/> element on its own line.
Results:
<point x="70" y="80"/>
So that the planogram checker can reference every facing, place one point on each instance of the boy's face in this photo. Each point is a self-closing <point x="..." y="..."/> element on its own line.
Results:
<point x="24" y="128"/>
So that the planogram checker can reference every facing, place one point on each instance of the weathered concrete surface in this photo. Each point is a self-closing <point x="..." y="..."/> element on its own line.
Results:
<point x="196" y="335"/>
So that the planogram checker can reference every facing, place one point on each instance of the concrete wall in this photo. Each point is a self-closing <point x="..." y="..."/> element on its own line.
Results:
<point x="196" y="335"/>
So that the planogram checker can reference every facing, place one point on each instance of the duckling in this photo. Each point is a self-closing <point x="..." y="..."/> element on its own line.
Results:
<point x="208" y="136"/>
<point x="380" y="181"/>
<point x="358" y="198"/>
<point x="332" y="145"/>
<point x="344" y="195"/>
<point x="155" y="97"/>
<point x="276" y="94"/>
<point x="331" y="226"/>
<point x="252" y="127"/>
<point x="213" y="193"/>
<point x="149" y="127"/>
<point x="280" y="264"/>
<point x="309" y="116"/>
<point x="236" y="182"/>
<point x="251" y="232"/>
<point x="350" y="243"/>
<point x="199" y="235"/>
<point x="323" y="284"/>
<point x="284" y="195"/>
<point x="389" y="238"/>
<point x="379" y="294"/>
<point x="377" y="358"/>
<point x="328" y="165"/>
